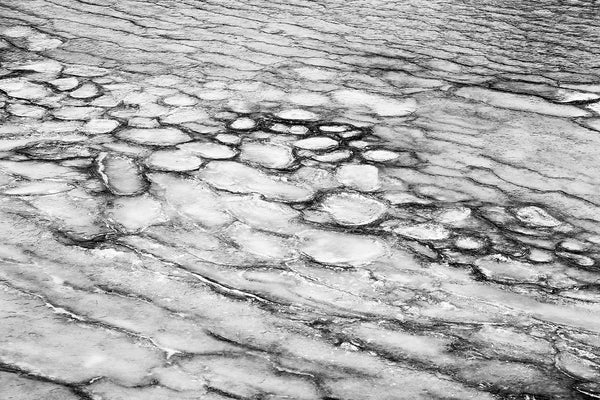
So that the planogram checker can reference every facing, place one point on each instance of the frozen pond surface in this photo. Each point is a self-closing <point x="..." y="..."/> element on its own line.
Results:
<point x="268" y="200"/>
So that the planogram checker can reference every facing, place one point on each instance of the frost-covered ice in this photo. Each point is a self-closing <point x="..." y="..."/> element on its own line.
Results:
<point x="316" y="143"/>
<point x="353" y="209"/>
<point x="213" y="151"/>
<point x="239" y="178"/>
<point x="121" y="175"/>
<point x="173" y="160"/>
<point x="283" y="200"/>
<point x="364" y="178"/>
<point x="154" y="137"/>
<point x="267" y="155"/>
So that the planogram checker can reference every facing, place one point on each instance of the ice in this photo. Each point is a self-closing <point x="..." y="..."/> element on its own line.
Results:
<point x="380" y="155"/>
<point x="536" y="216"/>
<point x="298" y="130"/>
<point x="592" y="123"/>
<point x="364" y="178"/>
<point x="180" y="100"/>
<point x="182" y="115"/>
<point x="419" y="231"/>
<point x="133" y="214"/>
<point x="341" y="248"/>
<point x="541" y="256"/>
<point x="105" y="390"/>
<point x="100" y="126"/>
<point x="520" y="102"/>
<point x="243" y="124"/>
<point x="85" y="351"/>
<point x="213" y="151"/>
<point x="70" y="113"/>
<point x="251" y="377"/>
<point x="14" y="386"/>
<point x="228" y="138"/>
<point x="380" y="105"/>
<point x="191" y="198"/>
<point x="154" y="137"/>
<point x="23" y="89"/>
<point x="27" y="111"/>
<point x="316" y="143"/>
<point x="572" y="245"/>
<point x="333" y="157"/>
<point x="64" y="84"/>
<point x="353" y="209"/>
<point x="56" y="151"/>
<point x="121" y="175"/>
<point x="578" y="367"/>
<point x="578" y="259"/>
<point x="36" y="188"/>
<point x="261" y="214"/>
<point x="333" y="128"/>
<point x="297" y="115"/>
<point x="266" y="246"/>
<point x="173" y="160"/>
<point x="500" y="268"/>
<point x="85" y="91"/>
<point x="239" y="178"/>
<point x="36" y="169"/>
<point x="49" y="67"/>
<point x="404" y="198"/>
<point x="267" y="155"/>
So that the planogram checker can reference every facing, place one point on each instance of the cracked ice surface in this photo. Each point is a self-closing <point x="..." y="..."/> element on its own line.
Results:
<point x="292" y="200"/>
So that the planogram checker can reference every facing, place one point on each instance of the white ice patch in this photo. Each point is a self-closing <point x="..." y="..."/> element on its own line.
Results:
<point x="520" y="102"/>
<point x="341" y="248"/>
<point x="364" y="178"/>
<point x="353" y="209"/>
<point x="380" y="105"/>
<point x="267" y="155"/>
<point x="154" y="137"/>
<point x="536" y="216"/>
<point x="297" y="115"/>
<point x="239" y="178"/>
<point x="316" y="143"/>
<point x="173" y="160"/>
<point x="213" y="151"/>
<point x="132" y="214"/>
